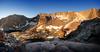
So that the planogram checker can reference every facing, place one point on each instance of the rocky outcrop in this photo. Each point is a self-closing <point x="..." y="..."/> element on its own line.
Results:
<point x="61" y="46"/>
<point x="90" y="14"/>
<point x="2" y="38"/>
<point x="87" y="32"/>
<point x="52" y="46"/>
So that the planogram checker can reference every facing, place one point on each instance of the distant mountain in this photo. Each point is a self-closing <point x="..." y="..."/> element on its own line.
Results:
<point x="14" y="23"/>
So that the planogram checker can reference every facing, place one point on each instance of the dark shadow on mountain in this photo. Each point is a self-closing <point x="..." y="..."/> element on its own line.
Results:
<point x="87" y="32"/>
<point x="15" y="22"/>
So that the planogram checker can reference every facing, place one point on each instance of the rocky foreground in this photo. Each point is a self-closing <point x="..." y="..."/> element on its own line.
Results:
<point x="59" y="32"/>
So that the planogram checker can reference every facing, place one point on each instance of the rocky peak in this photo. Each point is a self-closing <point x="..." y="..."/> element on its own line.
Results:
<point x="65" y="20"/>
<point x="13" y="23"/>
<point x="91" y="13"/>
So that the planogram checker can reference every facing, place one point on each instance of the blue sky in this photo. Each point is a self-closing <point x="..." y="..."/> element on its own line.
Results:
<point x="31" y="8"/>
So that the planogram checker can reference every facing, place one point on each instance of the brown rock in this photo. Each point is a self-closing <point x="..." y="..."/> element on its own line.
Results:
<point x="2" y="38"/>
<point x="13" y="23"/>
<point x="65" y="20"/>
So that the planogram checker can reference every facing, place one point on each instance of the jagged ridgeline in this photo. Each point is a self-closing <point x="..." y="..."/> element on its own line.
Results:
<point x="56" y="30"/>
<point x="46" y="26"/>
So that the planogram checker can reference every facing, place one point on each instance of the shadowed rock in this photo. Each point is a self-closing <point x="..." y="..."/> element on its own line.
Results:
<point x="87" y="32"/>
<point x="61" y="46"/>
<point x="13" y="23"/>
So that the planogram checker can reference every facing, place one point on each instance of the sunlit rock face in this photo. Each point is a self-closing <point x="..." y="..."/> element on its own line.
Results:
<point x="90" y="14"/>
<point x="64" y="22"/>
<point x="50" y="24"/>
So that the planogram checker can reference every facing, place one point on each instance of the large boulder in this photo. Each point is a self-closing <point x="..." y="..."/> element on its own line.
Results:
<point x="61" y="46"/>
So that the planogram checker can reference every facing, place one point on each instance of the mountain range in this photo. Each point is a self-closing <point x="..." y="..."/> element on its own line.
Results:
<point x="61" y="24"/>
<point x="54" y="32"/>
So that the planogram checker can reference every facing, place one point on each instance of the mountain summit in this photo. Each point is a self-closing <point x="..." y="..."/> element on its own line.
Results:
<point x="62" y="23"/>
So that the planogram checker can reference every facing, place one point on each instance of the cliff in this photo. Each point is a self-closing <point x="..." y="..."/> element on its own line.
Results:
<point x="64" y="22"/>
